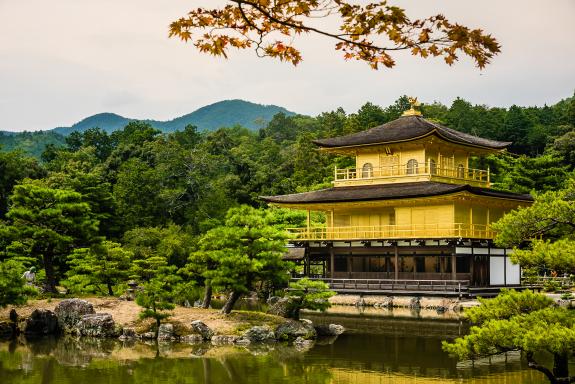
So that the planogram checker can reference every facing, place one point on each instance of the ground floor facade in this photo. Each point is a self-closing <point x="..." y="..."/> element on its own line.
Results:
<point x="407" y="263"/>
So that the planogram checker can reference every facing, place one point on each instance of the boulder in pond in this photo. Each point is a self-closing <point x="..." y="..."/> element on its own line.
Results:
<point x="329" y="329"/>
<point x="386" y="302"/>
<point x="415" y="303"/>
<point x="166" y="332"/>
<point x="97" y="325"/>
<point x="292" y="329"/>
<point x="70" y="312"/>
<point x="273" y="300"/>
<point x="259" y="334"/>
<point x="201" y="328"/>
<point x="128" y="334"/>
<point x="192" y="339"/>
<point x="224" y="339"/>
<point x="302" y="344"/>
<point x="283" y="306"/>
<point x="41" y="322"/>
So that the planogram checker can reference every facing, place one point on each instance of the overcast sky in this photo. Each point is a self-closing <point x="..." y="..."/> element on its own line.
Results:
<point x="63" y="60"/>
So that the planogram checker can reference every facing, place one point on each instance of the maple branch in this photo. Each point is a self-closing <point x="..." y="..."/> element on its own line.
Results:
<point x="315" y="30"/>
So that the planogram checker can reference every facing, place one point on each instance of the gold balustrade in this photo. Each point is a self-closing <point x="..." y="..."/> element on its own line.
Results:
<point x="450" y="174"/>
<point x="385" y="232"/>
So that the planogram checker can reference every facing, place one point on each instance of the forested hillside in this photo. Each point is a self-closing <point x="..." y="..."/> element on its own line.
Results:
<point x="226" y="113"/>
<point x="142" y="188"/>
<point x="221" y="114"/>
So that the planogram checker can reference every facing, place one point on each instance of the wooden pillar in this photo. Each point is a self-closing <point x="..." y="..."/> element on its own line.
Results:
<point x="396" y="264"/>
<point x="488" y="224"/>
<point x="331" y="263"/>
<point x="471" y="231"/>
<point x="453" y="266"/>
<point x="349" y="265"/>
<point x="308" y="221"/>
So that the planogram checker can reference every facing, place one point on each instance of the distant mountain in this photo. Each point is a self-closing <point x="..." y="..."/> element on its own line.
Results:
<point x="211" y="117"/>
<point x="109" y="122"/>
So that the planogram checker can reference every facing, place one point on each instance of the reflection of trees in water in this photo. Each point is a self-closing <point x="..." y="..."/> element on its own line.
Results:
<point x="97" y="361"/>
<point x="365" y="357"/>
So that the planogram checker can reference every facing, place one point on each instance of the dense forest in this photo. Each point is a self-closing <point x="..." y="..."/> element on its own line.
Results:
<point x="208" y="118"/>
<point x="152" y="193"/>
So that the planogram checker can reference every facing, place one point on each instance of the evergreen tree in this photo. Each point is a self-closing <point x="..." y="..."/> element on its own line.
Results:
<point x="309" y="294"/>
<point x="50" y="223"/>
<point x="158" y="295"/>
<point x="12" y="286"/>
<point x="246" y="250"/>
<point x="525" y="322"/>
<point x="98" y="269"/>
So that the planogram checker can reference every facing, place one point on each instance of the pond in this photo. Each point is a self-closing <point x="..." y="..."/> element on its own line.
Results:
<point x="379" y="347"/>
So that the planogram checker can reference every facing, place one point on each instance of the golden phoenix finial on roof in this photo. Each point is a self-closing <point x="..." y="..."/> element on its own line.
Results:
<point x="414" y="104"/>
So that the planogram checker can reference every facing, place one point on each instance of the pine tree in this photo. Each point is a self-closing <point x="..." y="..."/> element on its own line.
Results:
<point x="98" y="269"/>
<point x="50" y="223"/>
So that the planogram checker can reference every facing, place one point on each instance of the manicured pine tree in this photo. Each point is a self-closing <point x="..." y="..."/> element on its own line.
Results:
<point x="51" y="222"/>
<point x="98" y="269"/>
<point x="245" y="251"/>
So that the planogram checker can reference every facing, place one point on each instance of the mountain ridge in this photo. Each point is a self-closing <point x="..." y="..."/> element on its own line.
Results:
<point x="223" y="113"/>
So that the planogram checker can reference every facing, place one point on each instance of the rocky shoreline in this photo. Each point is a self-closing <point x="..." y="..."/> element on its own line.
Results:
<point x="440" y="304"/>
<point x="78" y="317"/>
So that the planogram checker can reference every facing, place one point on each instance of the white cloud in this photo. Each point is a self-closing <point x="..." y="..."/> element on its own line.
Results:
<point x="63" y="60"/>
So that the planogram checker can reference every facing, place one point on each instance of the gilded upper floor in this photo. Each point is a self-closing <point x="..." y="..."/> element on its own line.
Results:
<point x="411" y="149"/>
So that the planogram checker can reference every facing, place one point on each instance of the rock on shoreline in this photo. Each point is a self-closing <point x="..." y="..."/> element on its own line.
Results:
<point x="79" y="318"/>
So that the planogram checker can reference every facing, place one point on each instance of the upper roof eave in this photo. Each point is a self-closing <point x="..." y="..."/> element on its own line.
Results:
<point x="405" y="129"/>
<point x="388" y="192"/>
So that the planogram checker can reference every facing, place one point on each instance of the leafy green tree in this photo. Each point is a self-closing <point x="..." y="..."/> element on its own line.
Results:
<point x="172" y="243"/>
<point x="50" y="222"/>
<point x="12" y="286"/>
<point x="525" y="174"/>
<point x="542" y="233"/>
<point x="199" y="264"/>
<point x="552" y="215"/>
<point x="158" y="296"/>
<point x="81" y="171"/>
<point x="246" y="251"/>
<point x="516" y="128"/>
<point x="98" y="269"/>
<point x="14" y="167"/>
<point x="95" y="137"/>
<point x="564" y="147"/>
<point x="525" y="322"/>
<point x="309" y="294"/>
<point x="543" y="254"/>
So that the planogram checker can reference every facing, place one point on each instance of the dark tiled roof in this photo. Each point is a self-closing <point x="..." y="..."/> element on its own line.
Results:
<point x="387" y="192"/>
<point x="408" y="128"/>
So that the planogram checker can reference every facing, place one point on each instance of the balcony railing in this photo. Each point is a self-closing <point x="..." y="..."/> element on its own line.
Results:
<point x="390" y="232"/>
<point x="457" y="174"/>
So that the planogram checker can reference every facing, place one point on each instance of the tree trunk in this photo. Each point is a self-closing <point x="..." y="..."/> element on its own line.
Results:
<point x="157" y="331"/>
<point x="229" y="305"/>
<point x="207" y="295"/>
<point x="110" y="290"/>
<point x="560" y="366"/>
<point x="50" y="285"/>
<point x="534" y="365"/>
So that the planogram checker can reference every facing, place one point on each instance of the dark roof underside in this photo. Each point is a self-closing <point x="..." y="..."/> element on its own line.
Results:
<point x="408" y="128"/>
<point x="388" y="192"/>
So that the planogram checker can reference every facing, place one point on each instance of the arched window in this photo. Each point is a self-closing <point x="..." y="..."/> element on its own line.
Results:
<point x="460" y="171"/>
<point x="367" y="171"/>
<point x="412" y="167"/>
<point x="432" y="167"/>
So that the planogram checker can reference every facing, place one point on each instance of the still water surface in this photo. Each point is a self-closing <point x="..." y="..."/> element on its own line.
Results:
<point x="378" y="348"/>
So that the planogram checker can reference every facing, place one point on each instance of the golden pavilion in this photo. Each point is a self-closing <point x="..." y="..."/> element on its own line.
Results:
<point x="411" y="216"/>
